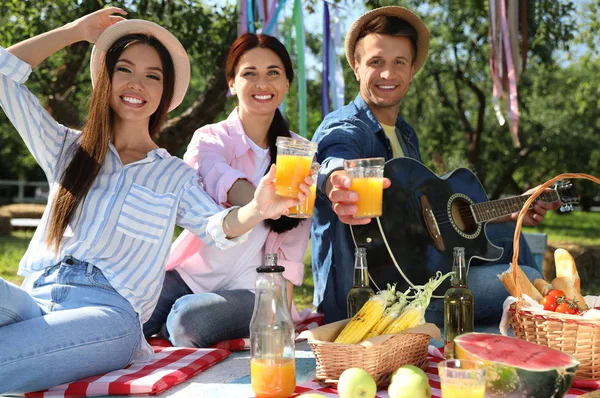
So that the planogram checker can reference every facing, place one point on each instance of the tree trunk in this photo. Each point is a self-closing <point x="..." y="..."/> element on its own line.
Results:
<point x="178" y="131"/>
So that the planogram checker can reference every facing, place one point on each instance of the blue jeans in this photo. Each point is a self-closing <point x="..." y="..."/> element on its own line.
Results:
<point x="202" y="319"/>
<point x="488" y="291"/>
<point x="72" y="325"/>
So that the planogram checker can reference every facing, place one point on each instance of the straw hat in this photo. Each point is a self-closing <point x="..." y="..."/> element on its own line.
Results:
<point x="393" y="11"/>
<point x="181" y="63"/>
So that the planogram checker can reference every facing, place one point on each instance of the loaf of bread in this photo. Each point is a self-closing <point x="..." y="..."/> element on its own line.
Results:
<point x="526" y="286"/>
<point x="566" y="268"/>
<point x="542" y="285"/>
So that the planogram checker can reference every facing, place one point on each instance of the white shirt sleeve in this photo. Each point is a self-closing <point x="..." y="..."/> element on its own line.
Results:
<point x="199" y="214"/>
<point x="43" y="135"/>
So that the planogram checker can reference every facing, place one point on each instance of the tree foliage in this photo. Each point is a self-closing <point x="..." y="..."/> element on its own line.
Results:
<point x="449" y="102"/>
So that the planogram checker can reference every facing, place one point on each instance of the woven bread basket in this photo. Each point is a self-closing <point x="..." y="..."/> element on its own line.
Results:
<point x="380" y="360"/>
<point x="571" y="334"/>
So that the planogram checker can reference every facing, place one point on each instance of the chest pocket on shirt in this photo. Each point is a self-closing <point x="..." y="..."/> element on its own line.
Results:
<point x="145" y="214"/>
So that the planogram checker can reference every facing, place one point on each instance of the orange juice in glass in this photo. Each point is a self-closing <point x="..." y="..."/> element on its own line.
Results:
<point x="294" y="159"/>
<point x="273" y="378"/>
<point x="305" y="209"/>
<point x="461" y="378"/>
<point x="367" y="182"/>
<point x="463" y="389"/>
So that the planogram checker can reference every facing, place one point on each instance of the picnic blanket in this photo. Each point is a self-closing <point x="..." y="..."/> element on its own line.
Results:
<point x="171" y="366"/>
<point x="432" y="374"/>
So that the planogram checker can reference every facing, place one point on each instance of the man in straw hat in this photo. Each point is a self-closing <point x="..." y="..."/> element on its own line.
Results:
<point x="385" y="47"/>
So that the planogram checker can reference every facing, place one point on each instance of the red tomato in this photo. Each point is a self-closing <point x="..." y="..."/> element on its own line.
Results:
<point x="565" y="309"/>
<point x="549" y="303"/>
<point x="555" y="293"/>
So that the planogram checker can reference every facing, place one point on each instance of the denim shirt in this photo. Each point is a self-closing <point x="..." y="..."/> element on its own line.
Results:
<point x="350" y="132"/>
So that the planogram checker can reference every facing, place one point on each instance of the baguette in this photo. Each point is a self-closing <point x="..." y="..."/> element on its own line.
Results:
<point x="526" y="287"/>
<point x="542" y="286"/>
<point x="566" y="268"/>
<point x="567" y="287"/>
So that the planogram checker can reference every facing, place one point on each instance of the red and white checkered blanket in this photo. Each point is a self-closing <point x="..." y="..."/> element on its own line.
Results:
<point x="170" y="367"/>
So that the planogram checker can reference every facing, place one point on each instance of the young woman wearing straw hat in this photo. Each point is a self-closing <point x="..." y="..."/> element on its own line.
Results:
<point x="94" y="268"/>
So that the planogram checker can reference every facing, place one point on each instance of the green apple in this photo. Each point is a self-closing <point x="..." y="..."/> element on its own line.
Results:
<point x="409" y="382"/>
<point x="356" y="383"/>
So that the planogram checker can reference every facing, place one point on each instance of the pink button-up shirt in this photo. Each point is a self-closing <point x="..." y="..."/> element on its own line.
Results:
<point x="222" y="154"/>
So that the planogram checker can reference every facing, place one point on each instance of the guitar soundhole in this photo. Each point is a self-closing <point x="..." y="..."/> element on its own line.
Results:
<point x="463" y="217"/>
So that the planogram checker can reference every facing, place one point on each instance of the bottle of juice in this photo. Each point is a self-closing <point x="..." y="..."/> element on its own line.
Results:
<point x="458" y="304"/>
<point x="360" y="292"/>
<point x="272" y="335"/>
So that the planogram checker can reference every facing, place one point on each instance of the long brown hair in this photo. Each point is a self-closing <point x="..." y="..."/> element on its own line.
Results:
<point x="279" y="126"/>
<point x="89" y="156"/>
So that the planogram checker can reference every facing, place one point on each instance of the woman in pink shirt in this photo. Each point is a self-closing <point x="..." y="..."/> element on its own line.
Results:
<point x="208" y="293"/>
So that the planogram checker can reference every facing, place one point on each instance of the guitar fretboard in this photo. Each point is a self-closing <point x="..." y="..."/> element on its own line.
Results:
<point x="493" y="209"/>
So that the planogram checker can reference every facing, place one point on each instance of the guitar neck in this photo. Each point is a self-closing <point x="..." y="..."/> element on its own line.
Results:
<point x="494" y="209"/>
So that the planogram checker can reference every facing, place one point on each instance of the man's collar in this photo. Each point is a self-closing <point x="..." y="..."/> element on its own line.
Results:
<point x="371" y="120"/>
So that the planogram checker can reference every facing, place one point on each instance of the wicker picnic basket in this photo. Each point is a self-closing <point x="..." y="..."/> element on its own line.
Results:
<point x="379" y="360"/>
<point x="572" y="334"/>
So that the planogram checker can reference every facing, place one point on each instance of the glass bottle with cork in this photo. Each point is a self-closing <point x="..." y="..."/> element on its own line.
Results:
<point x="360" y="292"/>
<point x="272" y="335"/>
<point x="458" y="304"/>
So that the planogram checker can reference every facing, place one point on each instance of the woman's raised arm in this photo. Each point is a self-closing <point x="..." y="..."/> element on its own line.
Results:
<point x="38" y="48"/>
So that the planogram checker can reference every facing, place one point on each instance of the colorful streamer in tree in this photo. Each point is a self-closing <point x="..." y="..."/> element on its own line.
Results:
<point x="298" y="21"/>
<point x="326" y="60"/>
<point x="504" y="58"/>
<point x="332" y="76"/>
<point x="336" y="75"/>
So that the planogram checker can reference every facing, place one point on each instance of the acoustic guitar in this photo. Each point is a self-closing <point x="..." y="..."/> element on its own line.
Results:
<point x="426" y="216"/>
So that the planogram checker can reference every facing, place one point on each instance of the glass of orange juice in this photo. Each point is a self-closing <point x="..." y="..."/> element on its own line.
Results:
<point x="273" y="378"/>
<point x="305" y="210"/>
<point x="294" y="159"/>
<point x="462" y="378"/>
<point x="367" y="182"/>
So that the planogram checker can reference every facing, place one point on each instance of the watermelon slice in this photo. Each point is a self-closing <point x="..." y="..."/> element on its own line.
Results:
<point x="518" y="368"/>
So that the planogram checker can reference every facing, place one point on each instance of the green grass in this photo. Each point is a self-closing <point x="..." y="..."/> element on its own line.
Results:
<point x="12" y="249"/>
<point x="576" y="227"/>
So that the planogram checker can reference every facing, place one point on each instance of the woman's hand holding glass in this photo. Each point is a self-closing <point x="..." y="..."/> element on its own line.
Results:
<point x="271" y="205"/>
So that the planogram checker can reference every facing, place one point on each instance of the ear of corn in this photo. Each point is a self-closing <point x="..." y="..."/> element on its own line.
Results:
<point x="414" y="313"/>
<point x="388" y="317"/>
<point x="356" y="330"/>
<point x="411" y="317"/>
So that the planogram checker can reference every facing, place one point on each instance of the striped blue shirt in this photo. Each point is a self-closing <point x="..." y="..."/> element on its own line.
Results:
<point x="125" y="226"/>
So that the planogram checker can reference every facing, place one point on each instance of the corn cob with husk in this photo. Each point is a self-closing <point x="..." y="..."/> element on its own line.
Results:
<point x="358" y="327"/>
<point x="389" y="315"/>
<point x="414" y="313"/>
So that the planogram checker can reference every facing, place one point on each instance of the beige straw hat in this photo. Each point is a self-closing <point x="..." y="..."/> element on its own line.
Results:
<point x="394" y="11"/>
<point x="181" y="63"/>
